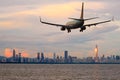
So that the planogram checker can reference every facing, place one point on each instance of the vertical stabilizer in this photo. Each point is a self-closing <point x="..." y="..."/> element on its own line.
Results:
<point x="82" y="11"/>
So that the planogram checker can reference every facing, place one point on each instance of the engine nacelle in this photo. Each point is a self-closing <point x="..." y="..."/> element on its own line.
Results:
<point x="83" y="28"/>
<point x="62" y="29"/>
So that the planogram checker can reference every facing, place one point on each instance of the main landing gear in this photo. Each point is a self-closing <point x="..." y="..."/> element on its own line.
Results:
<point x="81" y="30"/>
<point x="68" y="30"/>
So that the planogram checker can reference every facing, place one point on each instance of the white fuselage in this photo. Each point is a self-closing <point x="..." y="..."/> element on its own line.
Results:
<point x="74" y="24"/>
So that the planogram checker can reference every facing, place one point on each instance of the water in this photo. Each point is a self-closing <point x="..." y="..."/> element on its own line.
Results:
<point x="59" y="72"/>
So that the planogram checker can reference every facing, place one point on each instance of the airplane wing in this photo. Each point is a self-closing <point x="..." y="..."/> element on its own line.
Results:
<point x="58" y="25"/>
<point x="94" y="24"/>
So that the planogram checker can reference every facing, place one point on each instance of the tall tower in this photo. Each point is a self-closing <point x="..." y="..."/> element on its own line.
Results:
<point x="66" y="56"/>
<point x="54" y="56"/>
<point x="19" y="57"/>
<point x="14" y="54"/>
<point x="38" y="56"/>
<point x="96" y="54"/>
<point x="42" y="57"/>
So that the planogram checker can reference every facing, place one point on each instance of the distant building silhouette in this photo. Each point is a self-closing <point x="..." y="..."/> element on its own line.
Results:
<point x="58" y="59"/>
<point x="42" y="57"/>
<point x="14" y="55"/>
<point x="96" y="54"/>
<point x="65" y="56"/>
<point x="19" y="57"/>
<point x="64" y="59"/>
<point x="38" y="56"/>
<point x="54" y="56"/>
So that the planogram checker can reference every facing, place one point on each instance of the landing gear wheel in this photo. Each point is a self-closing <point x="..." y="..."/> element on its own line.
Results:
<point x="68" y="30"/>
<point x="81" y="30"/>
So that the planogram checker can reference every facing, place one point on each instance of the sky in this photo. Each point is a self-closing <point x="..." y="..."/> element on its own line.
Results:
<point x="20" y="28"/>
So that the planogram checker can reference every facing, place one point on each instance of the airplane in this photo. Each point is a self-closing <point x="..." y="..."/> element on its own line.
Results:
<point x="76" y="23"/>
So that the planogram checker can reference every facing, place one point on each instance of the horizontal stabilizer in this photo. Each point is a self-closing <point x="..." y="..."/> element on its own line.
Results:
<point x="75" y="19"/>
<point x="84" y="19"/>
<point x="91" y="18"/>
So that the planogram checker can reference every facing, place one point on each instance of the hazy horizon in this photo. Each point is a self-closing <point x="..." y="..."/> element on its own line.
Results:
<point x="20" y="27"/>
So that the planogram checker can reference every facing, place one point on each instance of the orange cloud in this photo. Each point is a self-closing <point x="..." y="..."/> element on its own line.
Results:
<point x="8" y="52"/>
<point x="94" y="5"/>
<point x="51" y="10"/>
<point x="58" y="10"/>
<point x="25" y="54"/>
<point x="12" y="24"/>
<point x="67" y="9"/>
<point x="6" y="23"/>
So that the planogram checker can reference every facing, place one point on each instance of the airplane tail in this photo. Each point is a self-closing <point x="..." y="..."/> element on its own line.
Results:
<point x="82" y="11"/>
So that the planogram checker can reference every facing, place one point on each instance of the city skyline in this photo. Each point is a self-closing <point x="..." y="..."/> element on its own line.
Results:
<point x="13" y="52"/>
<point x="57" y="59"/>
<point x="20" y="27"/>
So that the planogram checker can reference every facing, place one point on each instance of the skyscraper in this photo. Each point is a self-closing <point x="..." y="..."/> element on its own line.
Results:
<point x="65" y="56"/>
<point x="38" y="56"/>
<point x="14" y="54"/>
<point x="54" y="56"/>
<point x="96" y="54"/>
<point x="42" y="57"/>
<point x="19" y="57"/>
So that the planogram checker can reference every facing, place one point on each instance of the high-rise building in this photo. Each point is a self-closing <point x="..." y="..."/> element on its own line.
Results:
<point x="54" y="56"/>
<point x="19" y="57"/>
<point x="16" y="58"/>
<point x="14" y="54"/>
<point x="57" y="59"/>
<point x="42" y="57"/>
<point x="102" y="59"/>
<point x="38" y="56"/>
<point x="65" y="56"/>
<point x="96" y="54"/>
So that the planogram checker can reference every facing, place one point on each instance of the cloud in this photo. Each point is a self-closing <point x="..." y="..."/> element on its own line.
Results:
<point x="91" y="34"/>
<point x="6" y="3"/>
<point x="8" y="52"/>
<point x="6" y="24"/>
<point x="54" y="10"/>
<point x="117" y="23"/>
<point x="19" y="16"/>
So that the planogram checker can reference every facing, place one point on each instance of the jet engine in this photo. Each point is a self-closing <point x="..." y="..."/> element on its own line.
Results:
<point x="83" y="28"/>
<point x="62" y="29"/>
